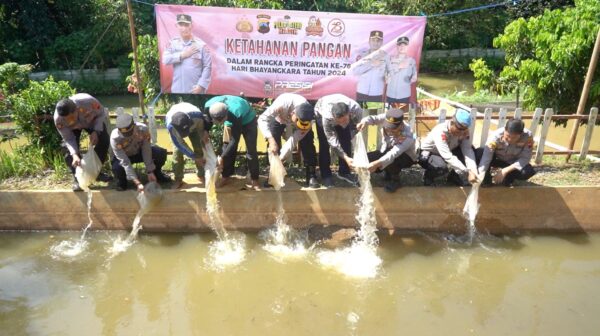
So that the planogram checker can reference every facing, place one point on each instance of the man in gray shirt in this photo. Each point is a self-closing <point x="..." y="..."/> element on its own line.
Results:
<point x="191" y="59"/>
<point x="397" y="146"/>
<point x="448" y="145"/>
<point x="130" y="142"/>
<point x="337" y="117"/>
<point x="510" y="148"/>
<point x="74" y="114"/>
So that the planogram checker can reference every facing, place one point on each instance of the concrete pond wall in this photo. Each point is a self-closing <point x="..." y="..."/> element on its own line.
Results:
<point x="503" y="210"/>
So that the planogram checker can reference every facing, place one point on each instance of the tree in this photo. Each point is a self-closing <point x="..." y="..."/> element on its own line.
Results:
<point x="528" y="8"/>
<point x="548" y="56"/>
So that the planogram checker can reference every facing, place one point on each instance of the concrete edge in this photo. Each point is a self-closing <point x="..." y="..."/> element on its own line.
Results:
<point x="503" y="210"/>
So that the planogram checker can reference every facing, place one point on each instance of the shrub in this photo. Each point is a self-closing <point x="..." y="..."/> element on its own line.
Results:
<point x="33" y="110"/>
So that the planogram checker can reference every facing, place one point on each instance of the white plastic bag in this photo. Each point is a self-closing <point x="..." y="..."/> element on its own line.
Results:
<point x="151" y="196"/>
<point x="276" y="172"/>
<point x="87" y="172"/>
<point x="361" y="160"/>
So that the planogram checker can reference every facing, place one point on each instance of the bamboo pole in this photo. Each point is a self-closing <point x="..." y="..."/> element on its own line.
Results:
<point x="586" y="91"/>
<point x="135" y="57"/>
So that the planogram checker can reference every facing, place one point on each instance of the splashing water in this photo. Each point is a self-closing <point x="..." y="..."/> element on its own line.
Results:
<point x="472" y="208"/>
<point x="151" y="196"/>
<point x="73" y="248"/>
<point x="360" y="259"/>
<point x="228" y="250"/>
<point x="282" y="241"/>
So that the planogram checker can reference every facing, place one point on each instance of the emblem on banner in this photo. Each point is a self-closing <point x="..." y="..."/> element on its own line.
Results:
<point x="314" y="27"/>
<point x="336" y="27"/>
<point x="285" y="26"/>
<point x="244" y="26"/>
<point x="263" y="23"/>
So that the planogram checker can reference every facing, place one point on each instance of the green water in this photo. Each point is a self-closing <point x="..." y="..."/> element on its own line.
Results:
<point x="541" y="285"/>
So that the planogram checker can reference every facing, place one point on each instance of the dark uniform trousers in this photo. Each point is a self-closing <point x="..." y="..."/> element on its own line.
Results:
<point x="250" y="133"/>
<point x="436" y="166"/>
<point x="101" y="147"/>
<point x="524" y="174"/>
<point x="345" y="138"/>
<point x="363" y="98"/>
<point x="307" y="146"/>
<point x="159" y="156"/>
<point x="394" y="168"/>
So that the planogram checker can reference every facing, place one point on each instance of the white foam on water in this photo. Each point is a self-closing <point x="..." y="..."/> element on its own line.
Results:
<point x="223" y="254"/>
<point x="360" y="259"/>
<point x="151" y="196"/>
<point x="282" y="241"/>
<point x="69" y="248"/>
<point x="229" y="249"/>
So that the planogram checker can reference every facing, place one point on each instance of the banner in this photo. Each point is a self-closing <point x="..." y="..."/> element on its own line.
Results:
<point x="263" y="53"/>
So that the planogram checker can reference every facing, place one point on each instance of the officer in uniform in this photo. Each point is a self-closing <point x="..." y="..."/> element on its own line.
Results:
<point x="401" y="74"/>
<point x="291" y="109"/>
<point x="449" y="145"/>
<point x="71" y="116"/>
<point x="397" y="146"/>
<point x="337" y="117"/>
<point x="509" y="148"/>
<point x="371" y="66"/>
<point x="130" y="143"/>
<point x="239" y="119"/>
<point x="185" y="120"/>
<point x="191" y="59"/>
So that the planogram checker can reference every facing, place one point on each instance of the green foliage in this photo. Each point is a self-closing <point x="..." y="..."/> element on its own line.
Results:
<point x="33" y="110"/>
<point x="147" y="53"/>
<point x="484" y="76"/>
<point x="455" y="64"/>
<point x="29" y="161"/>
<point x="13" y="78"/>
<point x="529" y="8"/>
<point x="549" y="55"/>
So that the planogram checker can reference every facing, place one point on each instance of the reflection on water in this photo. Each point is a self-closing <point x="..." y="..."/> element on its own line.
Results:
<point x="544" y="285"/>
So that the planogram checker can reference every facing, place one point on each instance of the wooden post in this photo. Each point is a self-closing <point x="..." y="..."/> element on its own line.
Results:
<point x="442" y="116"/>
<point x="365" y="131"/>
<point x="135" y="112"/>
<point x="413" y="119"/>
<point x="586" y="91"/>
<point x="135" y="57"/>
<point x="518" y="113"/>
<point x="588" y="133"/>
<point x="502" y="117"/>
<point x="473" y="122"/>
<point x="152" y="124"/>
<point x="535" y="121"/>
<point x="546" y="126"/>
<point x="486" y="126"/>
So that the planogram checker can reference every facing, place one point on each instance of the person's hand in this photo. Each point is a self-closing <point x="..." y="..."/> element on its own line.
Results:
<point x="273" y="147"/>
<point x="94" y="138"/>
<point x="373" y="166"/>
<point x="360" y="126"/>
<point x="76" y="161"/>
<point x="189" y="51"/>
<point x="499" y="177"/>
<point x="205" y="137"/>
<point x="200" y="162"/>
<point x="472" y="177"/>
<point x="139" y="185"/>
<point x="197" y="89"/>
<point x="151" y="177"/>
<point x="219" y="163"/>
<point x="349" y="161"/>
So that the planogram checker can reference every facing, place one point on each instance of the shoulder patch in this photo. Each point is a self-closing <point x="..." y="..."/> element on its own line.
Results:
<point x="492" y="145"/>
<point x="444" y="137"/>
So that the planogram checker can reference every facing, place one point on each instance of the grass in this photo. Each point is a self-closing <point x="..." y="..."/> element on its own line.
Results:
<point x="31" y="161"/>
<point x="479" y="97"/>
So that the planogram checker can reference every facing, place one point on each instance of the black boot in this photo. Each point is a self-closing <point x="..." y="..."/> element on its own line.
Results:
<point x="311" y="178"/>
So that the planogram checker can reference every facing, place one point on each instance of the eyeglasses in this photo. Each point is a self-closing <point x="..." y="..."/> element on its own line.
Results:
<point x="126" y="129"/>
<point x="460" y="127"/>
<point x="303" y="125"/>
